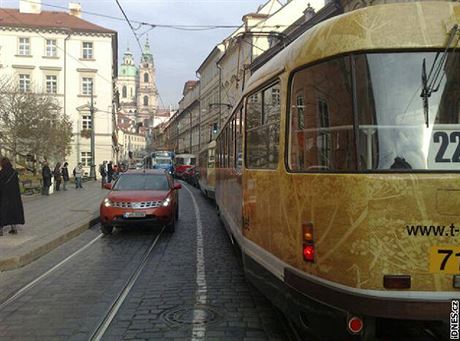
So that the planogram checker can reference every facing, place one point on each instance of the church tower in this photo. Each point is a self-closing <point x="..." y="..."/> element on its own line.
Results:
<point x="147" y="94"/>
<point x="127" y="84"/>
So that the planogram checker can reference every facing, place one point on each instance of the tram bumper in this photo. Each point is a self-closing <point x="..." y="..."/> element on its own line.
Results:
<point x="368" y="304"/>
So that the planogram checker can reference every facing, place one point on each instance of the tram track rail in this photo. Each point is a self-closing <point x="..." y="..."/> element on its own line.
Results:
<point x="19" y="293"/>
<point x="104" y="324"/>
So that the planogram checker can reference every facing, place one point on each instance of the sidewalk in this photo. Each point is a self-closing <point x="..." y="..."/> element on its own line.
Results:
<point x="50" y="221"/>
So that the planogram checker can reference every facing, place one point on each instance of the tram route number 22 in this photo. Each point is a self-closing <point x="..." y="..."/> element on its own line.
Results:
<point x="445" y="259"/>
<point x="445" y="139"/>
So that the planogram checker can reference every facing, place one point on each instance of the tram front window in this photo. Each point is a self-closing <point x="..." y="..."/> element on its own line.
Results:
<point x="395" y="131"/>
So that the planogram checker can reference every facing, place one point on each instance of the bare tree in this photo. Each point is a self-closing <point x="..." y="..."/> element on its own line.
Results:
<point x="33" y="123"/>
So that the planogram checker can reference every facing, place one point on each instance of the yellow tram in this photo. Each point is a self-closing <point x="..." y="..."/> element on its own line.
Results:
<point x="338" y="173"/>
<point x="207" y="172"/>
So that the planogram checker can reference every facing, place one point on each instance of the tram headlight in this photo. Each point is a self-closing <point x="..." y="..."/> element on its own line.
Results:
<point x="107" y="202"/>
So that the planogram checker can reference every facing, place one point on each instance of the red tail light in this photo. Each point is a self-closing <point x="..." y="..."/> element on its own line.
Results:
<point x="309" y="252"/>
<point x="355" y="325"/>
<point x="308" y="242"/>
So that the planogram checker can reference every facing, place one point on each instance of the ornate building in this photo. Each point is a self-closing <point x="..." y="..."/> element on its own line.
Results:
<point x="127" y="84"/>
<point x="137" y="87"/>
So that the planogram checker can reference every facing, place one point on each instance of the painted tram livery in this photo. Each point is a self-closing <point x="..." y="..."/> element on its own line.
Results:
<point x="338" y="173"/>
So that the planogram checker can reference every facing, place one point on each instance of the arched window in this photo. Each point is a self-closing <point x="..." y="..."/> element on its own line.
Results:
<point x="123" y="91"/>
<point x="146" y="101"/>
<point x="146" y="77"/>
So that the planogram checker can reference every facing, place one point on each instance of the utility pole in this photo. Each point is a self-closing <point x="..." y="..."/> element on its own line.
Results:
<point x="92" y="171"/>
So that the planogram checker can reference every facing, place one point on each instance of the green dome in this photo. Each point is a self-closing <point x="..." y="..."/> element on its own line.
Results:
<point x="127" y="70"/>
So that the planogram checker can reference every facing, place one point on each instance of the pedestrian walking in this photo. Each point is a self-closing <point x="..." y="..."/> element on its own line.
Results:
<point x="65" y="175"/>
<point x="109" y="172"/>
<point x="57" y="176"/>
<point x="103" y="172"/>
<point x="11" y="209"/>
<point x="46" y="177"/>
<point x="78" y="173"/>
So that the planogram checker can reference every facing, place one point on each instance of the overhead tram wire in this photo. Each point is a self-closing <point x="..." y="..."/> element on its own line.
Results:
<point x="130" y="25"/>
<point x="191" y="28"/>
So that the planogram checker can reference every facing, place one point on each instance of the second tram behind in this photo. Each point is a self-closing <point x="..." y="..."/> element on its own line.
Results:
<point x="338" y="174"/>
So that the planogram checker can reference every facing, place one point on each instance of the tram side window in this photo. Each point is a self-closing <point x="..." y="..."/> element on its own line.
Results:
<point x="231" y="127"/>
<point x="263" y="126"/>
<point x="321" y="118"/>
<point x="238" y="142"/>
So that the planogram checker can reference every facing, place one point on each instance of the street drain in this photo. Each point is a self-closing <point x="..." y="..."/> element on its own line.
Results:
<point x="198" y="315"/>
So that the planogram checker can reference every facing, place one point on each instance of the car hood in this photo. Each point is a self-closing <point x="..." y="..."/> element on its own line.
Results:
<point x="137" y="196"/>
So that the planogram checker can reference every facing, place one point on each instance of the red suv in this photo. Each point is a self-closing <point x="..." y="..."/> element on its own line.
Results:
<point x="141" y="197"/>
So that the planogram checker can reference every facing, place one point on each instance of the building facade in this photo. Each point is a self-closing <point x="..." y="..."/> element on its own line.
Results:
<point x="60" y="54"/>
<point x="225" y="71"/>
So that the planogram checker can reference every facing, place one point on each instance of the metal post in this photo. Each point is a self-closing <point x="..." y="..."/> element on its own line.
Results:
<point x="92" y="171"/>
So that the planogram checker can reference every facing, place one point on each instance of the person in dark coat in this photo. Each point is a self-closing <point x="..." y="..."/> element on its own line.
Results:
<point x="109" y="172"/>
<point x="57" y="176"/>
<point x="46" y="176"/>
<point x="65" y="175"/>
<point x="11" y="209"/>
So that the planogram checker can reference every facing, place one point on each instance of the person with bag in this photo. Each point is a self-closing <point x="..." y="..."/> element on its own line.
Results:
<point x="11" y="208"/>
<point x="57" y="176"/>
<point x="78" y="173"/>
<point x="103" y="172"/>
<point x="65" y="175"/>
<point x="46" y="177"/>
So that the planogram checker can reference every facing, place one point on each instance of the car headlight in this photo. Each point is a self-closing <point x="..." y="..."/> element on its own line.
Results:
<point x="166" y="202"/>
<point x="107" y="202"/>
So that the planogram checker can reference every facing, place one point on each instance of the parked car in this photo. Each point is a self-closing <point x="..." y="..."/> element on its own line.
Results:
<point x="191" y="175"/>
<point x="141" y="197"/>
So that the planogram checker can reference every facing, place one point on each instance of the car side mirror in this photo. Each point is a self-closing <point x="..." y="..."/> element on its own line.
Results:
<point x="177" y="186"/>
<point x="108" y="186"/>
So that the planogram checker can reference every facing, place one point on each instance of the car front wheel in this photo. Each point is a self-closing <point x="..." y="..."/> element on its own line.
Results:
<point x="106" y="229"/>
<point x="171" y="226"/>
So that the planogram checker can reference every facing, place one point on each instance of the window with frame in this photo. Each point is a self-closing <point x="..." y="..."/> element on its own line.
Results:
<point x="24" y="46"/>
<point x="238" y="139"/>
<point x="24" y="83"/>
<point x="51" y="84"/>
<point x="86" y="86"/>
<point x="51" y="48"/>
<point x="86" y="122"/>
<point x="324" y="140"/>
<point x="88" y="52"/>
<point x="262" y="128"/>
<point x="86" y="159"/>
<point x="146" y="101"/>
<point x="146" y="77"/>
<point x="123" y="91"/>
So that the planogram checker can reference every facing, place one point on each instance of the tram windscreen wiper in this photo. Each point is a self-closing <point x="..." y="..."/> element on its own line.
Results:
<point x="432" y="82"/>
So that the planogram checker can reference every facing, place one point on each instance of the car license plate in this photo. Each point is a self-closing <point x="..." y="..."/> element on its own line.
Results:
<point x="445" y="259"/>
<point x="134" y="215"/>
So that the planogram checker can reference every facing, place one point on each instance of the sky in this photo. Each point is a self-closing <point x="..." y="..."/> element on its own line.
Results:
<point x="177" y="53"/>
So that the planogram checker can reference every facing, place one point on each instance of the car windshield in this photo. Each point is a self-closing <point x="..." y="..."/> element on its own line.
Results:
<point x="141" y="182"/>
<point x="162" y="161"/>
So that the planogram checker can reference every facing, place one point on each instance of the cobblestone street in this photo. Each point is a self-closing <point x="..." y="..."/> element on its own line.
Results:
<point x="166" y="302"/>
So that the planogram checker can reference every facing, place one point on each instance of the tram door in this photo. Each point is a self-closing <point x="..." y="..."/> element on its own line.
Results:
<point x="261" y="208"/>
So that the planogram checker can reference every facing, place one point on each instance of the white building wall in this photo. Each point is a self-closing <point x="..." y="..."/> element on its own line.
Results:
<point x="69" y="68"/>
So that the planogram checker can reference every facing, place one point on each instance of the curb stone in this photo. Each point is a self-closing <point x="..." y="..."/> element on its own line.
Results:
<point x="16" y="262"/>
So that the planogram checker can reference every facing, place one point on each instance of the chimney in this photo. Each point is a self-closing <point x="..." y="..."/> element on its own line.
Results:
<point x="32" y="7"/>
<point x="75" y="9"/>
